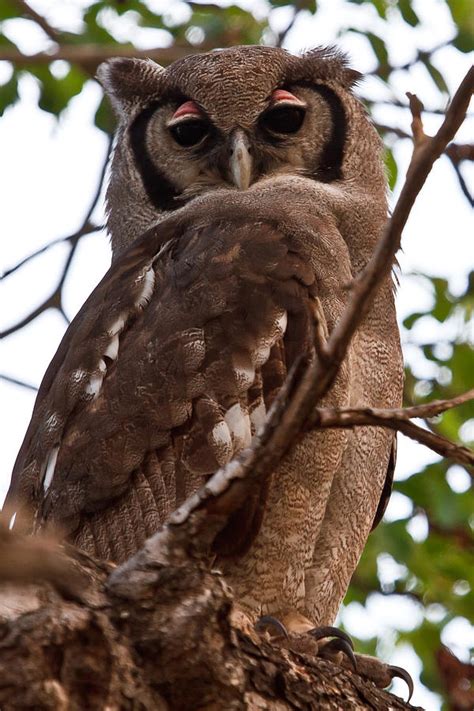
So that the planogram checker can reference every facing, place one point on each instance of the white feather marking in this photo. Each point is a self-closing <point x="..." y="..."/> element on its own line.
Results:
<point x="51" y="422"/>
<point x="238" y="422"/>
<point x="117" y="326"/>
<point x="12" y="521"/>
<point x="102" y="366"/>
<point x="262" y="354"/>
<point x="50" y="467"/>
<point x="78" y="375"/>
<point x="282" y="322"/>
<point x="220" y="434"/>
<point x="148" y="284"/>
<point x="245" y="376"/>
<point x="161" y="250"/>
<point x="113" y="348"/>
<point x="94" y="385"/>
<point x="258" y="416"/>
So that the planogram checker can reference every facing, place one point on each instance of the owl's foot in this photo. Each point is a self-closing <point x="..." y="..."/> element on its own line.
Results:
<point x="297" y="634"/>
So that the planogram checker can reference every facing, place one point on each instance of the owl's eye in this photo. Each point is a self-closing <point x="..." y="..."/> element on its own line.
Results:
<point x="283" y="119"/>
<point x="189" y="133"/>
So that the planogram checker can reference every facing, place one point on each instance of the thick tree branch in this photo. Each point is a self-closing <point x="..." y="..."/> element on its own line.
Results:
<point x="171" y="640"/>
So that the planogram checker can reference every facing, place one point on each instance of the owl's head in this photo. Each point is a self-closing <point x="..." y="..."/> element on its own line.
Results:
<point x="230" y="118"/>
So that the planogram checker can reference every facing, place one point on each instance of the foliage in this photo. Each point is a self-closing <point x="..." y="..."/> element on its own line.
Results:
<point x="433" y="543"/>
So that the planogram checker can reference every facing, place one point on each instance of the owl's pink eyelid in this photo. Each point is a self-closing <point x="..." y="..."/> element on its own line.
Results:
<point x="286" y="96"/>
<point x="189" y="108"/>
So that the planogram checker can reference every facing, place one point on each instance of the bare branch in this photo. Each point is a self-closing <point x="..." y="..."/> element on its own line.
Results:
<point x="54" y="300"/>
<point x="430" y="409"/>
<point x="284" y="33"/>
<point x="41" y="21"/>
<point x="85" y="230"/>
<point x="89" y="56"/>
<point x="396" y="420"/>
<point x="420" y="56"/>
<point x="462" y="182"/>
<point x="15" y="381"/>
<point x="366" y="283"/>
<point x="399" y="105"/>
<point x="456" y="152"/>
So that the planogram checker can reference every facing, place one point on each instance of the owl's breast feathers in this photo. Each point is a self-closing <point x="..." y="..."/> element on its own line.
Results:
<point x="163" y="376"/>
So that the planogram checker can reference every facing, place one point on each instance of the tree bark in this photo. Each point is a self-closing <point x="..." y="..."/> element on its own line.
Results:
<point x="159" y="635"/>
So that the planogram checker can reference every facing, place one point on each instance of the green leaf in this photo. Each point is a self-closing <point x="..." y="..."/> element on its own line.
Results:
<point x="381" y="7"/>
<point x="8" y="10"/>
<point x="407" y="12"/>
<point x="413" y="318"/>
<point x="436" y="76"/>
<point x="463" y="16"/>
<point x="55" y="94"/>
<point x="104" y="118"/>
<point x="391" y="167"/>
<point x="8" y="93"/>
<point x="380" y="51"/>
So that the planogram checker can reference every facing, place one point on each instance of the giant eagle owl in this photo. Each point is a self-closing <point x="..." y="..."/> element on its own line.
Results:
<point x="247" y="184"/>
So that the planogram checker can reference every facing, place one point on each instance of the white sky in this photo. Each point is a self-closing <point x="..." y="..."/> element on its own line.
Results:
<point x="48" y="176"/>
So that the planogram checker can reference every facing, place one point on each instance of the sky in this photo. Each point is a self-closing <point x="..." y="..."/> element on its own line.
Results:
<point x="49" y="173"/>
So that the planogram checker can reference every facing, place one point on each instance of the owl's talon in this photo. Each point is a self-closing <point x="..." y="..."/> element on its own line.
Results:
<point x="269" y="622"/>
<point x="402" y="674"/>
<point x="340" y="645"/>
<point x="323" y="632"/>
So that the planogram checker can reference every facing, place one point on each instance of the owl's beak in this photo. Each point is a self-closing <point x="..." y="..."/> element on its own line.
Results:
<point x="240" y="160"/>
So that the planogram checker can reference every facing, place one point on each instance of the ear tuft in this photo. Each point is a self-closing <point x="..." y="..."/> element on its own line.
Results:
<point x="130" y="82"/>
<point x="331" y="64"/>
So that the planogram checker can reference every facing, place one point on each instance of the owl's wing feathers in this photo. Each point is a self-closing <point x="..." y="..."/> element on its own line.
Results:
<point x="165" y="374"/>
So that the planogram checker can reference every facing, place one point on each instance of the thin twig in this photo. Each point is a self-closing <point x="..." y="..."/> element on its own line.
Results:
<point x="86" y="230"/>
<point x="54" y="300"/>
<point x="398" y="104"/>
<point x="284" y="33"/>
<point x="15" y="381"/>
<point x="456" y="152"/>
<point x="462" y="182"/>
<point x="419" y="57"/>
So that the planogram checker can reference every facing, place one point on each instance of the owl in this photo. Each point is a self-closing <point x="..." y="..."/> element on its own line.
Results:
<point x="247" y="189"/>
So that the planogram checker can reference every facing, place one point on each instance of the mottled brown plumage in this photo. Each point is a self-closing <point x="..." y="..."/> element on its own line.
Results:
<point x="220" y="247"/>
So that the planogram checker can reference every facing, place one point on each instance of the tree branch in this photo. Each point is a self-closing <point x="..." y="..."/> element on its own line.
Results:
<point x="15" y="381"/>
<point x="422" y="54"/>
<point x="204" y="513"/>
<point x="398" y="420"/>
<point x="55" y="299"/>
<point x="84" y="230"/>
<point x="366" y="283"/>
<point x="89" y="56"/>
<point x="28" y="11"/>
<point x="73" y="640"/>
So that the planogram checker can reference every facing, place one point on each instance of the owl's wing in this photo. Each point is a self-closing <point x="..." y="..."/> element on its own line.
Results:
<point x="162" y="377"/>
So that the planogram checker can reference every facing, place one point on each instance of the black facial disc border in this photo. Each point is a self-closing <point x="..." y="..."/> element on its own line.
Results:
<point x="329" y="166"/>
<point x="161" y="191"/>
